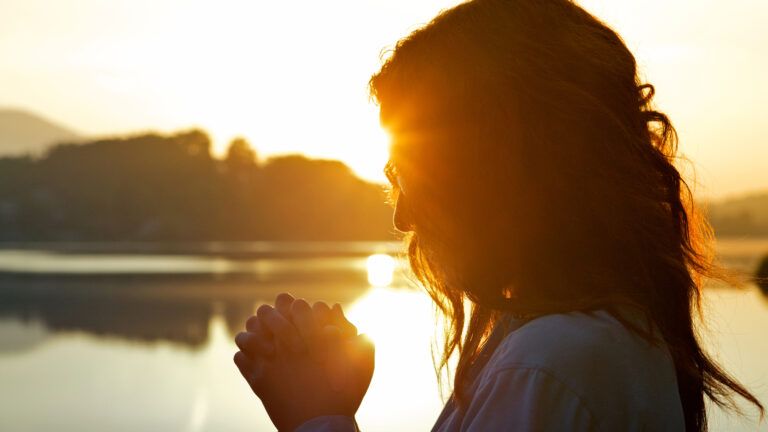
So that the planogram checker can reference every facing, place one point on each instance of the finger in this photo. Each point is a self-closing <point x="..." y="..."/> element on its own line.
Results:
<point x="248" y="370"/>
<point x="254" y="345"/>
<point x="322" y="314"/>
<point x="333" y="339"/>
<point x="304" y="320"/>
<point x="254" y="325"/>
<point x="283" y="303"/>
<point x="339" y="320"/>
<point x="282" y="330"/>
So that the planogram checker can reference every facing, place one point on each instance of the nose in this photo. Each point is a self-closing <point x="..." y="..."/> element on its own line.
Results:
<point x="402" y="218"/>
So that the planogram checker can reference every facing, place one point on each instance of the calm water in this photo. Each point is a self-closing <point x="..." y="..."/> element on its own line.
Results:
<point x="92" y="340"/>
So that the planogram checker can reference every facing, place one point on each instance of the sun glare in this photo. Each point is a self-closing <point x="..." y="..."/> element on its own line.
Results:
<point x="381" y="269"/>
<point x="401" y="322"/>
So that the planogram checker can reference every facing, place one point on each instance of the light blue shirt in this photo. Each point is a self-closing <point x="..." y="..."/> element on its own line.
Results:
<point x="563" y="372"/>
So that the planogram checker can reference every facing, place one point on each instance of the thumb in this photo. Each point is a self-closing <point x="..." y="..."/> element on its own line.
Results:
<point x="339" y="320"/>
<point x="351" y="364"/>
<point x="363" y="355"/>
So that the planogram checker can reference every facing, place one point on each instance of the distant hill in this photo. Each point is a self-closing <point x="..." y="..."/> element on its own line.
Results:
<point x="22" y="132"/>
<point x="741" y="216"/>
<point x="169" y="188"/>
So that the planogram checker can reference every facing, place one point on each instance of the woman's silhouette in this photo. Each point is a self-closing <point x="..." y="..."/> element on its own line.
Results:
<point x="536" y="184"/>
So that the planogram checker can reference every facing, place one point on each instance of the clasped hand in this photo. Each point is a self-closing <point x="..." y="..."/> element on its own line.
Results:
<point x="304" y="361"/>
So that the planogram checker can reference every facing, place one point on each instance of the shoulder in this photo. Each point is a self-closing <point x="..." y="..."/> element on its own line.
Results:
<point x="613" y="373"/>
<point x="574" y="342"/>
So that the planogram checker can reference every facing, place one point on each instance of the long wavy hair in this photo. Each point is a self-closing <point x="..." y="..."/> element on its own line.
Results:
<point x="538" y="179"/>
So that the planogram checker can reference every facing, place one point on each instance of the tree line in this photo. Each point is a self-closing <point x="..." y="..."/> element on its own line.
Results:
<point x="156" y="187"/>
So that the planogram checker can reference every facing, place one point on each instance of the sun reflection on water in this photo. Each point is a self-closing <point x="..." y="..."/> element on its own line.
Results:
<point x="381" y="269"/>
<point x="401" y="322"/>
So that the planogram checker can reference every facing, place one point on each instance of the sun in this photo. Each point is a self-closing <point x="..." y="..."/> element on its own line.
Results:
<point x="369" y="159"/>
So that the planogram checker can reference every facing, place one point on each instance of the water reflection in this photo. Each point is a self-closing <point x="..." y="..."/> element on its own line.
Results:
<point x="21" y="336"/>
<point x="123" y="298"/>
<point x="120" y="351"/>
<point x="135" y="318"/>
<point x="381" y="268"/>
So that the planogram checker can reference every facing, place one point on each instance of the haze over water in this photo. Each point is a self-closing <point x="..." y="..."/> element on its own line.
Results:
<point x="144" y="342"/>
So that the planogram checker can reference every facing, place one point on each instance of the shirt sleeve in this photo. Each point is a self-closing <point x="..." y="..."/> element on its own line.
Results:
<point x="335" y="423"/>
<point x="526" y="399"/>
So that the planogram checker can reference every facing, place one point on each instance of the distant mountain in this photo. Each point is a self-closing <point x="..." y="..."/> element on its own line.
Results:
<point x="22" y="132"/>
<point x="742" y="216"/>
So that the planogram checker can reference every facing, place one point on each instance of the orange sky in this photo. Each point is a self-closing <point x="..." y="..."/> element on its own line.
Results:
<point x="291" y="76"/>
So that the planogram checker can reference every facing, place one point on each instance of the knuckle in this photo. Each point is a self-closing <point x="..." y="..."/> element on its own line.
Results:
<point x="264" y="310"/>
<point x="321" y="306"/>
<point x="284" y="298"/>
<point x="300" y="305"/>
<point x="241" y="360"/>
<point x="252" y="323"/>
<point x="244" y="341"/>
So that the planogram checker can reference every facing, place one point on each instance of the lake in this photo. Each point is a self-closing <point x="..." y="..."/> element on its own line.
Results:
<point x="139" y="337"/>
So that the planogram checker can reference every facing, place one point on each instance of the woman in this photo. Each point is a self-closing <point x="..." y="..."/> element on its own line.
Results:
<point x="535" y="183"/>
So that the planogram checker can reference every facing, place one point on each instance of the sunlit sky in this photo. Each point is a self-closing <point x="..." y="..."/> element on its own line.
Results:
<point x="291" y="76"/>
